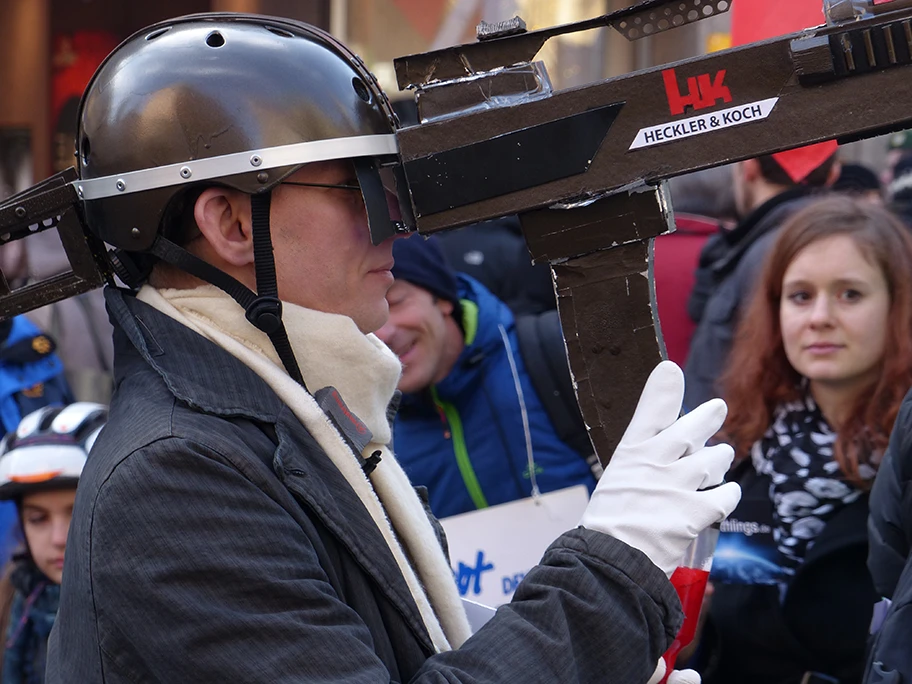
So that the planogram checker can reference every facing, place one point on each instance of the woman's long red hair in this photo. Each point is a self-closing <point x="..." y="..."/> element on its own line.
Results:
<point x="759" y="376"/>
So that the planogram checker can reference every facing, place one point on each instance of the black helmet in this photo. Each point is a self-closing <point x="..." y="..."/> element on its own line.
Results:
<point x="231" y="99"/>
<point x="49" y="448"/>
<point x="235" y="100"/>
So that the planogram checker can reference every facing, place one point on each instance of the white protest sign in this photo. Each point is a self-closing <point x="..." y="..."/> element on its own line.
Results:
<point x="477" y="614"/>
<point x="492" y="549"/>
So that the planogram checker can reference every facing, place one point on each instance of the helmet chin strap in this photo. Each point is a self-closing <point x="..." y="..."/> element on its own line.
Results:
<point x="265" y="312"/>
<point x="262" y="308"/>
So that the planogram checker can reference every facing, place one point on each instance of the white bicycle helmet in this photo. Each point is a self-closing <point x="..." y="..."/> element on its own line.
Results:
<point x="49" y="448"/>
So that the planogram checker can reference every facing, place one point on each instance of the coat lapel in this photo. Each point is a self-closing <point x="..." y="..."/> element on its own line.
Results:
<point x="318" y="485"/>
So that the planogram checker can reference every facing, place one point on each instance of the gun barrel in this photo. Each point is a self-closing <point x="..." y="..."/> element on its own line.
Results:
<point x="843" y="82"/>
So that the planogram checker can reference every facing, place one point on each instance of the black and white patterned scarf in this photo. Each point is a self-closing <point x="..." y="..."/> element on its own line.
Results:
<point x="807" y="488"/>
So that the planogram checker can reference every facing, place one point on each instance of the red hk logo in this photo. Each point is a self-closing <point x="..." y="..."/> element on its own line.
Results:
<point x="702" y="92"/>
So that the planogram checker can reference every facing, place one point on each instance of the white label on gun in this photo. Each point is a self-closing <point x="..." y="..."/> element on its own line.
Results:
<point x="704" y="123"/>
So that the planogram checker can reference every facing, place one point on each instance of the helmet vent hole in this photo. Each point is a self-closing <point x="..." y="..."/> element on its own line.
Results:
<point x="215" y="40"/>
<point x="159" y="32"/>
<point x="279" y="32"/>
<point x="85" y="150"/>
<point x="361" y="89"/>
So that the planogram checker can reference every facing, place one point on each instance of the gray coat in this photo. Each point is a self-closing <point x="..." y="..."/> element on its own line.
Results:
<point x="734" y="276"/>
<point x="214" y="541"/>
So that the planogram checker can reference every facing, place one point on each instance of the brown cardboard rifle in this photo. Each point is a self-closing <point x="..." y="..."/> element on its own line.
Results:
<point x="583" y="168"/>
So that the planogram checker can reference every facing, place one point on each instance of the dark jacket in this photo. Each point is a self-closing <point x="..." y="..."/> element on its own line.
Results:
<point x="820" y="626"/>
<point x="214" y="541"/>
<point x="31" y="618"/>
<point x="727" y="281"/>
<point x="464" y="438"/>
<point x="889" y="560"/>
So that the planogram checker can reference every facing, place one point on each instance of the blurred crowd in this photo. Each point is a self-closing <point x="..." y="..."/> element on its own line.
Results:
<point x="786" y="289"/>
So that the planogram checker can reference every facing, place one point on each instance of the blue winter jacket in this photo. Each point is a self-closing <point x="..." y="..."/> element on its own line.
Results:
<point x="464" y="438"/>
<point x="26" y="387"/>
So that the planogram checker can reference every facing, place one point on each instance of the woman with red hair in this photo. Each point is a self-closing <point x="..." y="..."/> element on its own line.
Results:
<point x="821" y="362"/>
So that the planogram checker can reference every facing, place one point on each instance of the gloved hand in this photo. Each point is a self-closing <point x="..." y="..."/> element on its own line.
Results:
<point x="648" y="496"/>
<point x="676" y="676"/>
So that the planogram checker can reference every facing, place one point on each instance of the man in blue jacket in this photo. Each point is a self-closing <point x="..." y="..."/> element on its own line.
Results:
<point x="471" y="426"/>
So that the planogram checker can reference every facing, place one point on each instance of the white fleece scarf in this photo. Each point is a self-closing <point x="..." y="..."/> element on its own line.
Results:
<point x="331" y="351"/>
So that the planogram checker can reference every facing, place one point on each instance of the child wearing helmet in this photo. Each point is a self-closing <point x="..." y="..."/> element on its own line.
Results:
<point x="40" y="464"/>
<point x="31" y="376"/>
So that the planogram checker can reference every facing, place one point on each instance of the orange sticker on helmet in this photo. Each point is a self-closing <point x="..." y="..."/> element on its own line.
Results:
<point x="38" y="477"/>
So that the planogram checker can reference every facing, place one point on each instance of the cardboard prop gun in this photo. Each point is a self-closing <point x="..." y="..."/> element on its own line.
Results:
<point x="583" y="168"/>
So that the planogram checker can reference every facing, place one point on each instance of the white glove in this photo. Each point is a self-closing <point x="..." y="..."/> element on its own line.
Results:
<point x="676" y="676"/>
<point x="648" y="496"/>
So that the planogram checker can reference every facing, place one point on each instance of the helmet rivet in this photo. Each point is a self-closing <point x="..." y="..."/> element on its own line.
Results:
<point x="20" y="212"/>
<point x="262" y="177"/>
<point x="256" y="160"/>
<point x="79" y="192"/>
<point x="135" y="233"/>
<point x="185" y="172"/>
<point x="120" y="185"/>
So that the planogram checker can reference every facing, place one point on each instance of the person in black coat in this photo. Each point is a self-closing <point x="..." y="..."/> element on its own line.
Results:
<point x="889" y="558"/>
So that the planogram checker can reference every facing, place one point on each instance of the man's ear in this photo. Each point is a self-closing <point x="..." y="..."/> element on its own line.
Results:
<point x="224" y="218"/>
<point x="445" y="305"/>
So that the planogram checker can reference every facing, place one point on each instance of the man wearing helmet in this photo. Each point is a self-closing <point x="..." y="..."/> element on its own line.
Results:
<point x="243" y="516"/>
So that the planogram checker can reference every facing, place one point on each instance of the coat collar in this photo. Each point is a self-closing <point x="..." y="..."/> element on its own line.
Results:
<point x="189" y="371"/>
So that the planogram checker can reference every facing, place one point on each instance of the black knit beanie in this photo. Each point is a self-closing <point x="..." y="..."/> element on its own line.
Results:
<point x="420" y="262"/>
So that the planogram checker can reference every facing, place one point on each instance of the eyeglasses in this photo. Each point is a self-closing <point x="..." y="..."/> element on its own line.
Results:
<point x="340" y="186"/>
<point x="356" y="200"/>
